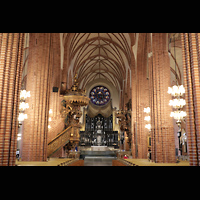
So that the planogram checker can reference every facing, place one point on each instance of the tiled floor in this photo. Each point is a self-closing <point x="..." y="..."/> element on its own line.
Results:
<point x="98" y="161"/>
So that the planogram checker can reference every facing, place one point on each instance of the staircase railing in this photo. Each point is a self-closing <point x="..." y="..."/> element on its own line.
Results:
<point x="59" y="141"/>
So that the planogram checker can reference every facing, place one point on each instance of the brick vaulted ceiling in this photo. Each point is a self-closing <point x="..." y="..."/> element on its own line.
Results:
<point x="99" y="56"/>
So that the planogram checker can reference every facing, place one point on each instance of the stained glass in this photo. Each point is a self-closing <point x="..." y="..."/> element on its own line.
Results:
<point x="100" y="95"/>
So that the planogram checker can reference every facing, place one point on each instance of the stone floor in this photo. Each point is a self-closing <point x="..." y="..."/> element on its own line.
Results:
<point x="98" y="161"/>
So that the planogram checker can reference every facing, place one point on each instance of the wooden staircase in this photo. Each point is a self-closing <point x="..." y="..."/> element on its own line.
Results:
<point x="59" y="141"/>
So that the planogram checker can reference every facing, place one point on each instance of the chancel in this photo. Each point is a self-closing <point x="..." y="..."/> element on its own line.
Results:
<point x="99" y="131"/>
<point x="99" y="99"/>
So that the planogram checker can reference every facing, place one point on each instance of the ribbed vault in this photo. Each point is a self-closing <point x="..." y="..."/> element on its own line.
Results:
<point x="99" y="56"/>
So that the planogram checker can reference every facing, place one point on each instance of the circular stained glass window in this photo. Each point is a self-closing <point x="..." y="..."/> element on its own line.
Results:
<point x="99" y="95"/>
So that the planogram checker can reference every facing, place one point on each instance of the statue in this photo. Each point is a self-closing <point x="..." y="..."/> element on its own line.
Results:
<point x="99" y="123"/>
<point x="183" y="139"/>
<point x="99" y="132"/>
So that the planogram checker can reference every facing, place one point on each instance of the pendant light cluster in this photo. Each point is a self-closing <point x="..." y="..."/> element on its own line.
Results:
<point x="177" y="92"/>
<point x="147" y="118"/>
<point x="50" y="113"/>
<point x="23" y="105"/>
<point x="177" y="103"/>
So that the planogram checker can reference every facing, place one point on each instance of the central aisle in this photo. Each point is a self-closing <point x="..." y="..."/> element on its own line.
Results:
<point x="98" y="161"/>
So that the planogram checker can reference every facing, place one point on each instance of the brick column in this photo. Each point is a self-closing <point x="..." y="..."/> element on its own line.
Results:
<point x="39" y="73"/>
<point x="191" y="70"/>
<point x="133" y="114"/>
<point x="11" y="54"/>
<point x="57" y="124"/>
<point x="163" y="142"/>
<point x="142" y="95"/>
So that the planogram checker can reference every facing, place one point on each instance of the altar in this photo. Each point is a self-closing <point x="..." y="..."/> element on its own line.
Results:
<point x="99" y="148"/>
<point x="99" y="132"/>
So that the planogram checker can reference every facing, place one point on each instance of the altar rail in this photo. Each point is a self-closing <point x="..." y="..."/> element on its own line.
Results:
<point x="58" y="142"/>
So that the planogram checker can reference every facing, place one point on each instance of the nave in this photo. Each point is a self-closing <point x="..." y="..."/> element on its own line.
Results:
<point x="98" y="161"/>
<point x="137" y="93"/>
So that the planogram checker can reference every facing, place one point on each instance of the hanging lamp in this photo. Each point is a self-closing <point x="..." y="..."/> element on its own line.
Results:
<point x="177" y="91"/>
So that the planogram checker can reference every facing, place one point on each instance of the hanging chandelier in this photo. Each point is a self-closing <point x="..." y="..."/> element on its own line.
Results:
<point x="177" y="103"/>
<point x="147" y="118"/>
<point x="177" y="91"/>
<point x="23" y="106"/>
<point x="178" y="115"/>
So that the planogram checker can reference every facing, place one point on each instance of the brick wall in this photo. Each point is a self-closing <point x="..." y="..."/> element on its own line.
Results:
<point x="191" y="70"/>
<point x="11" y="54"/>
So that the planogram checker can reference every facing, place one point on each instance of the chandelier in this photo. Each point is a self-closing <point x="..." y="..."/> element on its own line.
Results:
<point x="178" y="115"/>
<point x="178" y="103"/>
<point x="23" y="106"/>
<point x="147" y="118"/>
<point x="177" y="91"/>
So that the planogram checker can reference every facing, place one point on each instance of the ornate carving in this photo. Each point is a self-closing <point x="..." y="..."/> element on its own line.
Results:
<point x="59" y="141"/>
<point x="73" y="100"/>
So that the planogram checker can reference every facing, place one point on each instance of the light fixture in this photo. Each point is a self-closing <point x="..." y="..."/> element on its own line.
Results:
<point x="19" y="135"/>
<point x="24" y="94"/>
<point x="21" y="117"/>
<point x="23" y="106"/>
<point x="177" y="103"/>
<point x="147" y="110"/>
<point x="50" y="111"/>
<point x="176" y="90"/>
<point x="49" y="126"/>
<point x="178" y="115"/>
<point x="147" y="118"/>
<point x="148" y="126"/>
